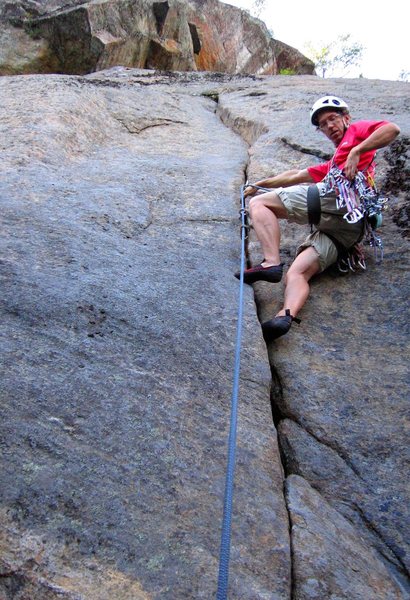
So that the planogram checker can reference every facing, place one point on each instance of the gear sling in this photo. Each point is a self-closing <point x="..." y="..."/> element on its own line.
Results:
<point x="363" y="202"/>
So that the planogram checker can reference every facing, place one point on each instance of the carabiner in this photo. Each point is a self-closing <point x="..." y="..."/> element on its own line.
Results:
<point x="343" y="266"/>
<point x="351" y="263"/>
<point x="354" y="216"/>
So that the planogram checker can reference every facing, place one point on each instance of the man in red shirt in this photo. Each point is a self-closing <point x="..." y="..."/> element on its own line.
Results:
<point x="356" y="145"/>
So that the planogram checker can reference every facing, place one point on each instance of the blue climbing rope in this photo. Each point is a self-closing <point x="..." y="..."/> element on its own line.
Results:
<point x="222" y="591"/>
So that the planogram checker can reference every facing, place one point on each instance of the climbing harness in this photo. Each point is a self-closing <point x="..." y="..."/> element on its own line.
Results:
<point x="222" y="591"/>
<point x="313" y="205"/>
<point x="370" y="208"/>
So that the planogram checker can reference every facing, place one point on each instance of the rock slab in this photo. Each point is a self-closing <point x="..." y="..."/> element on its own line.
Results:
<point x="119" y="310"/>
<point x="119" y="196"/>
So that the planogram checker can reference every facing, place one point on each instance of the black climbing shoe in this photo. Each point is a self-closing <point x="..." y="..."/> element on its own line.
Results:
<point x="278" y="326"/>
<point x="259" y="273"/>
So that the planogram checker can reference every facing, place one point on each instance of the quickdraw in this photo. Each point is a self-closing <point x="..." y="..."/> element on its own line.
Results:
<point x="353" y="260"/>
<point x="346" y="194"/>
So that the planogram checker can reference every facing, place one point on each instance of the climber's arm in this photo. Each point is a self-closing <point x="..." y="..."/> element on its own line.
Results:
<point x="382" y="137"/>
<point x="285" y="179"/>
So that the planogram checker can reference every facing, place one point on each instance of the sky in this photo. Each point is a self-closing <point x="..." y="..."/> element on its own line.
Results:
<point x="382" y="28"/>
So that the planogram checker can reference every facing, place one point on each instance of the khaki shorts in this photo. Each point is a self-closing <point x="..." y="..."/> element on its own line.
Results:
<point x="331" y="221"/>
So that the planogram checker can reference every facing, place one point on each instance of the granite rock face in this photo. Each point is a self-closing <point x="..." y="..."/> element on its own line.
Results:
<point x="119" y="208"/>
<point x="323" y="540"/>
<point x="80" y="37"/>
<point x="340" y="387"/>
<point x="119" y="195"/>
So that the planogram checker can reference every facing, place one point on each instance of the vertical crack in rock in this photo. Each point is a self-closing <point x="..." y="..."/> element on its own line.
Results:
<point x="196" y="42"/>
<point x="241" y="128"/>
<point x="278" y="415"/>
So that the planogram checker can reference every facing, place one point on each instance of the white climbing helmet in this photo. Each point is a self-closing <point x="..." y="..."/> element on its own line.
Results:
<point x="329" y="102"/>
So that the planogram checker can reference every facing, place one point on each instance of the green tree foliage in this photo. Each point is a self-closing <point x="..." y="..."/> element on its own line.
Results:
<point x="341" y="54"/>
<point x="287" y="72"/>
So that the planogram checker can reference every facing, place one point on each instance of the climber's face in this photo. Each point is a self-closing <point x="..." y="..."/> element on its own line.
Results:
<point x="333" y="125"/>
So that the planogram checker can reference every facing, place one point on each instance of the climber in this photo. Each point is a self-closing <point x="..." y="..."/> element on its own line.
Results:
<point x="340" y="222"/>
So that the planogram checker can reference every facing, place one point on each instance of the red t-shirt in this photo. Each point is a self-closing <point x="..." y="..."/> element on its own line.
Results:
<point x="355" y="133"/>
